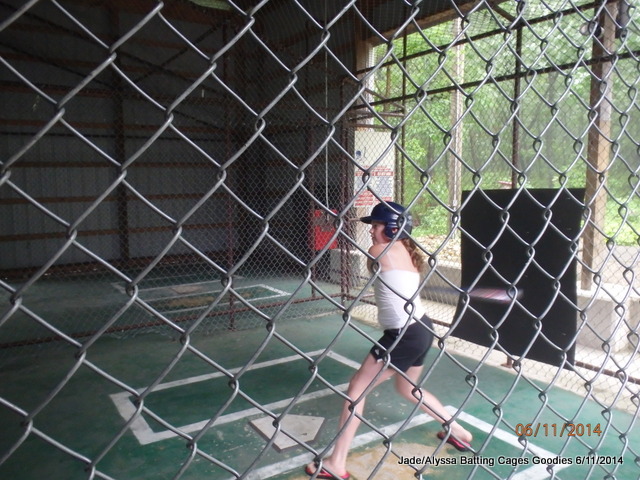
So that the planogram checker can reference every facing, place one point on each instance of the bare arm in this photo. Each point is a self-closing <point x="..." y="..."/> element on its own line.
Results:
<point x="375" y="251"/>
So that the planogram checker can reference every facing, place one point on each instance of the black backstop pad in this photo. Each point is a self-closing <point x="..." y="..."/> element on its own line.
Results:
<point x="525" y="239"/>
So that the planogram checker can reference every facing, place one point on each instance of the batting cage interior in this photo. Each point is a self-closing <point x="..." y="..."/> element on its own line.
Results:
<point x="183" y="272"/>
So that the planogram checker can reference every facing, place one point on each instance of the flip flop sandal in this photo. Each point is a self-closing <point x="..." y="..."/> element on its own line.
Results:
<point x="457" y="444"/>
<point x="323" y="474"/>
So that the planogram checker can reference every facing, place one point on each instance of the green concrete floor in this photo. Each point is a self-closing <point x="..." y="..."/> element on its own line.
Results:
<point x="86" y="414"/>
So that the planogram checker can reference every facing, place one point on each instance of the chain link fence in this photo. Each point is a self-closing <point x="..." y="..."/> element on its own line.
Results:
<point x="195" y="167"/>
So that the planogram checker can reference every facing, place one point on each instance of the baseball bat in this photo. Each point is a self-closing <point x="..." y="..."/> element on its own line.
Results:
<point x="495" y="295"/>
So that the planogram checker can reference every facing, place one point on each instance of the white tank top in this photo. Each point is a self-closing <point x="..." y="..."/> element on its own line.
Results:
<point x="392" y="289"/>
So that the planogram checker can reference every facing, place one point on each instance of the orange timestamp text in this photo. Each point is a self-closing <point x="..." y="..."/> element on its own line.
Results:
<point x="558" y="430"/>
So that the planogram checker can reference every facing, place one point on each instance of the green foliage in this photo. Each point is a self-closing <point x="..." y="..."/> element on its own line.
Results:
<point x="548" y="115"/>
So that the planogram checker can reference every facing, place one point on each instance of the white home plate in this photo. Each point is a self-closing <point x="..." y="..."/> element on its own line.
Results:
<point x="302" y="427"/>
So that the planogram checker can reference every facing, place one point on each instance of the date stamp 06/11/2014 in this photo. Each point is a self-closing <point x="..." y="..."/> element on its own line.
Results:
<point x="557" y="430"/>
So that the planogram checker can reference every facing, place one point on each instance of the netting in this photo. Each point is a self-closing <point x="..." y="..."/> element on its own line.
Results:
<point x="192" y="169"/>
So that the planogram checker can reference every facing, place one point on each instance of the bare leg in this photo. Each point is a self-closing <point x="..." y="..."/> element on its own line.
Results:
<point x="429" y="404"/>
<point x="349" y="423"/>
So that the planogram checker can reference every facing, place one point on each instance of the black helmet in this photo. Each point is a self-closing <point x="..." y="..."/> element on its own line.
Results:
<point x="393" y="216"/>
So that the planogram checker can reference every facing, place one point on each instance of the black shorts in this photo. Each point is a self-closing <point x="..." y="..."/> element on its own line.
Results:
<point x="411" y="349"/>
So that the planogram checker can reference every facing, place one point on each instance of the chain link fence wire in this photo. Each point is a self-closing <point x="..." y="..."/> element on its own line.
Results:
<point x="194" y="167"/>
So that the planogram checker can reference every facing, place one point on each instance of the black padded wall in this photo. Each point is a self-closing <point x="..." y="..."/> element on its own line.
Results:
<point x="524" y="239"/>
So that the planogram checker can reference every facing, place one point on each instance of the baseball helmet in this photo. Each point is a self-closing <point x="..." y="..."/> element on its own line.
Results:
<point x="393" y="216"/>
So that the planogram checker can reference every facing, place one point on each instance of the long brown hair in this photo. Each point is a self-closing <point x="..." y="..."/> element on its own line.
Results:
<point x="416" y="254"/>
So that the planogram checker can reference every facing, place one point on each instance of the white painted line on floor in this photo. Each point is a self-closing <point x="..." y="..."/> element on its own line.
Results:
<point x="300" y="461"/>
<point x="344" y="360"/>
<point x="210" y="376"/>
<point x="146" y="435"/>
<point x="536" y="472"/>
<point x="275" y="293"/>
<point x="185" y="294"/>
